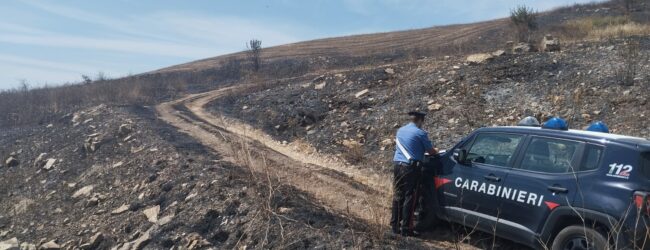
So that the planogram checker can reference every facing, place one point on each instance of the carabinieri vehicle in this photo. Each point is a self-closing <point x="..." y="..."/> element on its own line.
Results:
<point x="549" y="187"/>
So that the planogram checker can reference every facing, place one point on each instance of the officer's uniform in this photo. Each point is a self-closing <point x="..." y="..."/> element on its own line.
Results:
<point x="412" y="142"/>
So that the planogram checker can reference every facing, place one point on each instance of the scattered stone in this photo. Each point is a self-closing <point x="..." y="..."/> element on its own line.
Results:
<point x="50" y="245"/>
<point x="479" y="58"/>
<point x="166" y="219"/>
<point x="39" y="160"/>
<point x="190" y="196"/>
<point x="120" y="209"/>
<point x="124" y="129"/>
<point x="361" y="93"/>
<point x="284" y="210"/>
<point x="12" y="162"/>
<point x="443" y="80"/>
<point x="550" y="44"/>
<point x="152" y="213"/>
<point x="389" y="71"/>
<point x="320" y="86"/>
<point x="49" y="164"/>
<point x="499" y="53"/>
<point x="27" y="246"/>
<point x="94" y="242"/>
<point x="141" y="241"/>
<point x="521" y="48"/>
<point x="84" y="191"/>
<point x="195" y="241"/>
<point x="10" y="244"/>
<point x="434" y="107"/>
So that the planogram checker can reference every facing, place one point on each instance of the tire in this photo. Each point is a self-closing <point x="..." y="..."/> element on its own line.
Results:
<point x="573" y="238"/>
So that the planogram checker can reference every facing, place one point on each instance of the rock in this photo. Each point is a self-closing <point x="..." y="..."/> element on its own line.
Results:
<point x="190" y="196"/>
<point x="361" y="93"/>
<point x="141" y="241"/>
<point x="443" y="80"/>
<point x="550" y="44"/>
<point x="84" y="191"/>
<point x="521" y="48"/>
<point x="195" y="241"/>
<point x="50" y="245"/>
<point x="49" y="164"/>
<point x="434" y="107"/>
<point x="27" y="246"/>
<point x="499" y="53"/>
<point x="152" y="213"/>
<point x="389" y="71"/>
<point x="166" y="219"/>
<point x="479" y="58"/>
<point x="39" y="160"/>
<point x="124" y="129"/>
<point x="351" y="143"/>
<point x="284" y="210"/>
<point x="244" y="107"/>
<point x="10" y="244"/>
<point x="320" y="86"/>
<point x="94" y="242"/>
<point x="94" y="201"/>
<point x="120" y="209"/>
<point x="12" y="162"/>
<point x="586" y="116"/>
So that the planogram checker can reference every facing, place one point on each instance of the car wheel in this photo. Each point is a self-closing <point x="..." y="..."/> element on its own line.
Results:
<point x="579" y="238"/>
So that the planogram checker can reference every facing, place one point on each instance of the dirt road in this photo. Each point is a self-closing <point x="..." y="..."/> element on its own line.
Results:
<point x="338" y="186"/>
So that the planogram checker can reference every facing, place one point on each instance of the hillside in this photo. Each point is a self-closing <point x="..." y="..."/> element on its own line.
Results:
<point x="209" y="154"/>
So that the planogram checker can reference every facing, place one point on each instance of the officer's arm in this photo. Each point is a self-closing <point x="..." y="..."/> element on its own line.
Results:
<point x="428" y="145"/>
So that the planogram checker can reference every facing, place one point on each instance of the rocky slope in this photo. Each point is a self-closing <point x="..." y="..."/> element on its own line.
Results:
<point x="118" y="178"/>
<point x="355" y="113"/>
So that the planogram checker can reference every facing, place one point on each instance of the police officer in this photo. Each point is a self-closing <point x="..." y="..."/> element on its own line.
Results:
<point x="412" y="142"/>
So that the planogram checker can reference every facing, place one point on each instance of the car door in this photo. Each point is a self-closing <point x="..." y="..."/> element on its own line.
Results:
<point x="468" y="188"/>
<point x="543" y="179"/>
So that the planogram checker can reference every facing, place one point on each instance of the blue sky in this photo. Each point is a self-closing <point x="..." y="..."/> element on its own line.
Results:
<point x="53" y="42"/>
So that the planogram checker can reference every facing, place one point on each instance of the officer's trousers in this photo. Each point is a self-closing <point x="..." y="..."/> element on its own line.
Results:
<point x="405" y="178"/>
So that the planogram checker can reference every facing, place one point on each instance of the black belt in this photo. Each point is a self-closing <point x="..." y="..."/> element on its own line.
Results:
<point x="408" y="164"/>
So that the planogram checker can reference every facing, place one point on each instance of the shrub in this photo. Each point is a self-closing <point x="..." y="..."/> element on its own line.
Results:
<point x="254" y="53"/>
<point x="524" y="20"/>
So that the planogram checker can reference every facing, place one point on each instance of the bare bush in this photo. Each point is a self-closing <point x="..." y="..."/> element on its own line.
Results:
<point x="354" y="154"/>
<point x="524" y="20"/>
<point x="254" y="47"/>
<point x="631" y="62"/>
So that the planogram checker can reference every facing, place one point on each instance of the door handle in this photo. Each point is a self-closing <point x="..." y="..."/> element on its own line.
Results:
<point x="557" y="189"/>
<point x="492" y="177"/>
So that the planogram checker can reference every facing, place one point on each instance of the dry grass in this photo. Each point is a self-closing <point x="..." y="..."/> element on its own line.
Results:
<point x="603" y="27"/>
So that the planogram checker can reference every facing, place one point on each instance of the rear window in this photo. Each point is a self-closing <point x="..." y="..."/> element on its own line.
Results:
<point x="645" y="164"/>
<point x="591" y="157"/>
<point x="550" y="155"/>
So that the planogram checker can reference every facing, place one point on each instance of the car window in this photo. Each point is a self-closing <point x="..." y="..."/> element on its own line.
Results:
<point x="494" y="148"/>
<point x="645" y="164"/>
<point x="591" y="157"/>
<point x="550" y="155"/>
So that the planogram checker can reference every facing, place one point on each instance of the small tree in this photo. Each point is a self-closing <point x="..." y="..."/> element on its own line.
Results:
<point x="524" y="20"/>
<point x="86" y="79"/>
<point x="101" y="76"/>
<point x="254" y="47"/>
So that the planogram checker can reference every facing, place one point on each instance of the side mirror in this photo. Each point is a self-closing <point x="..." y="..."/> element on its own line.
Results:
<point x="460" y="155"/>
